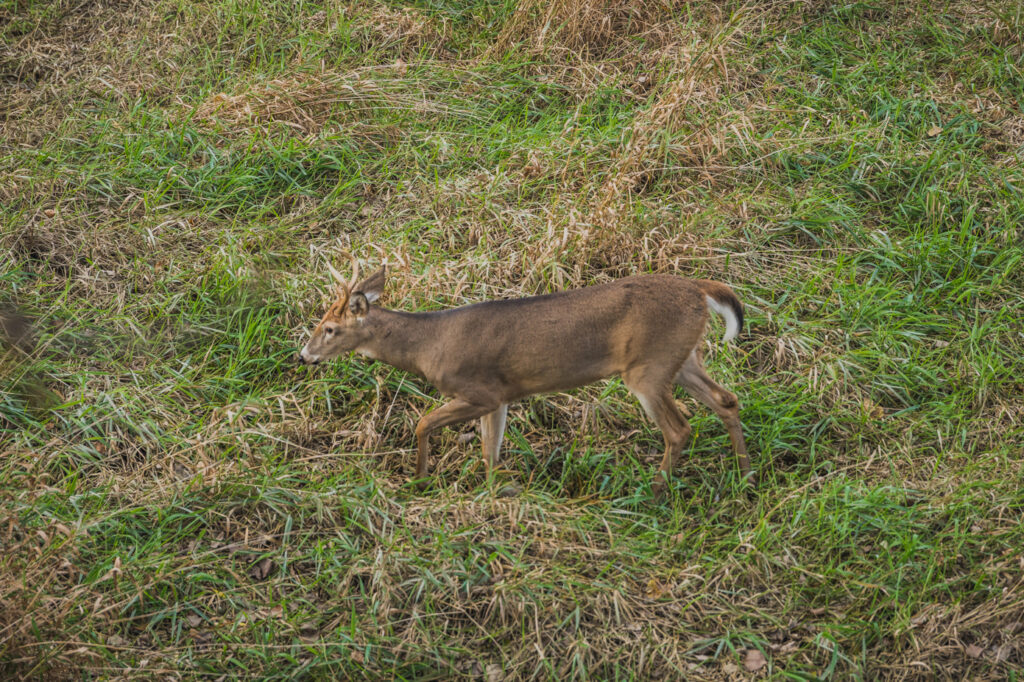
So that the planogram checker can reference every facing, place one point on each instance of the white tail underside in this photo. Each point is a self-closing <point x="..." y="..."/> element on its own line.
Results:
<point x="732" y="324"/>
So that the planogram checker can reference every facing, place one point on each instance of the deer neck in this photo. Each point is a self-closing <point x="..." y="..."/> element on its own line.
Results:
<point x="399" y="339"/>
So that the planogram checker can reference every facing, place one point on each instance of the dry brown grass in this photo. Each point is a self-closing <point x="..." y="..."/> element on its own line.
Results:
<point x="74" y="48"/>
<point x="589" y="29"/>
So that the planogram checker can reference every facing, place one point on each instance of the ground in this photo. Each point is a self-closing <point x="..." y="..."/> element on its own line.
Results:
<point x="179" y="500"/>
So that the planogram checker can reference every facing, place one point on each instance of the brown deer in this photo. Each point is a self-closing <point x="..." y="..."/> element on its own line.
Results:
<point x="645" y="328"/>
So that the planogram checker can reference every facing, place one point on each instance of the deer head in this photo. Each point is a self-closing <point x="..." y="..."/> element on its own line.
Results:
<point x="342" y="327"/>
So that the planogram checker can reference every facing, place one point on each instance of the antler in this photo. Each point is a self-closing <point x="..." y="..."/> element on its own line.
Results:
<point x="345" y="286"/>
<point x="337" y="275"/>
<point x="355" y="272"/>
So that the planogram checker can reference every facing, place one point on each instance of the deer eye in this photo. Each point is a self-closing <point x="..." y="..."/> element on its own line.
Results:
<point x="328" y="330"/>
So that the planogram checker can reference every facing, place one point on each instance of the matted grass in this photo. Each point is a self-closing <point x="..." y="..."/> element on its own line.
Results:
<point x="178" y="500"/>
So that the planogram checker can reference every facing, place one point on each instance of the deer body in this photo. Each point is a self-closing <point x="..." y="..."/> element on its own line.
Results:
<point x="646" y="329"/>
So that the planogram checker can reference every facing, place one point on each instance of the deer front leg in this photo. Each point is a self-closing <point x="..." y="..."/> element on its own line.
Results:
<point x="450" y="413"/>
<point x="492" y="431"/>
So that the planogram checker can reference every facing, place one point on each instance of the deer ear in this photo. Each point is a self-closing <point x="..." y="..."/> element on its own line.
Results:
<point x="358" y="304"/>
<point x="373" y="286"/>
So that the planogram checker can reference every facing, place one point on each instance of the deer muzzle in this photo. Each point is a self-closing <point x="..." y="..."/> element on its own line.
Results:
<point x="306" y="358"/>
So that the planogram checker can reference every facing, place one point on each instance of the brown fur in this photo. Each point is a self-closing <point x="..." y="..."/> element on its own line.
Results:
<point x="645" y="329"/>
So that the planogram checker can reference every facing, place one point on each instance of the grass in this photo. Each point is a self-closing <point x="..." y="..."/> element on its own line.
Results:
<point x="178" y="500"/>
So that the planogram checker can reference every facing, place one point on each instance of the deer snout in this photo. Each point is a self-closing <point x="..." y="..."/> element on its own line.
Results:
<point x="306" y="358"/>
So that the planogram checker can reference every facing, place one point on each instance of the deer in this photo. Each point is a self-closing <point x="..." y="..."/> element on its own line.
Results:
<point x="645" y="329"/>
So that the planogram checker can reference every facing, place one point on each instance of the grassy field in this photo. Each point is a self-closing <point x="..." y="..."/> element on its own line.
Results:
<point x="178" y="500"/>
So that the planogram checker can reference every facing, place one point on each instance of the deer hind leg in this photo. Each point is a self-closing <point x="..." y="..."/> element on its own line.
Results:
<point x="655" y="395"/>
<point x="450" y="413"/>
<point x="492" y="431"/>
<point x="722" y="402"/>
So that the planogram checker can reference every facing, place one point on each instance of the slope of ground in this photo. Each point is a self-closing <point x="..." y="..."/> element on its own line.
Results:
<point x="178" y="500"/>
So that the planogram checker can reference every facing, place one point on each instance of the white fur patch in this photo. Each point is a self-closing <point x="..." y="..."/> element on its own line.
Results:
<point x="732" y="324"/>
<point x="366" y="352"/>
<point x="648" y="406"/>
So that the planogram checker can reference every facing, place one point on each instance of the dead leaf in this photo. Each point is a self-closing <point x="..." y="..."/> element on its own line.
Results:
<point x="533" y="167"/>
<point x="655" y="589"/>
<point x="309" y="631"/>
<point x="262" y="569"/>
<point x="872" y="410"/>
<point x="118" y="640"/>
<point x="730" y="668"/>
<point x="358" y="657"/>
<point x="401" y="67"/>
<point x="194" y="620"/>
<point x="494" y="673"/>
<point x="754" y="660"/>
<point x="973" y="650"/>
<point x="466" y="437"/>
<point x="934" y="130"/>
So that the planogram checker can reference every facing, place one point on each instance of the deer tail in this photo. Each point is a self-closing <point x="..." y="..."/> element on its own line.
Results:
<point x="724" y="301"/>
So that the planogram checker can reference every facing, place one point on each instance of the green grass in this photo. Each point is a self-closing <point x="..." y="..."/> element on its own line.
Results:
<point x="178" y="499"/>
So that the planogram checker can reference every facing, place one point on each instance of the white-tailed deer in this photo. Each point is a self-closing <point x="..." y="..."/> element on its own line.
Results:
<point x="646" y="329"/>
